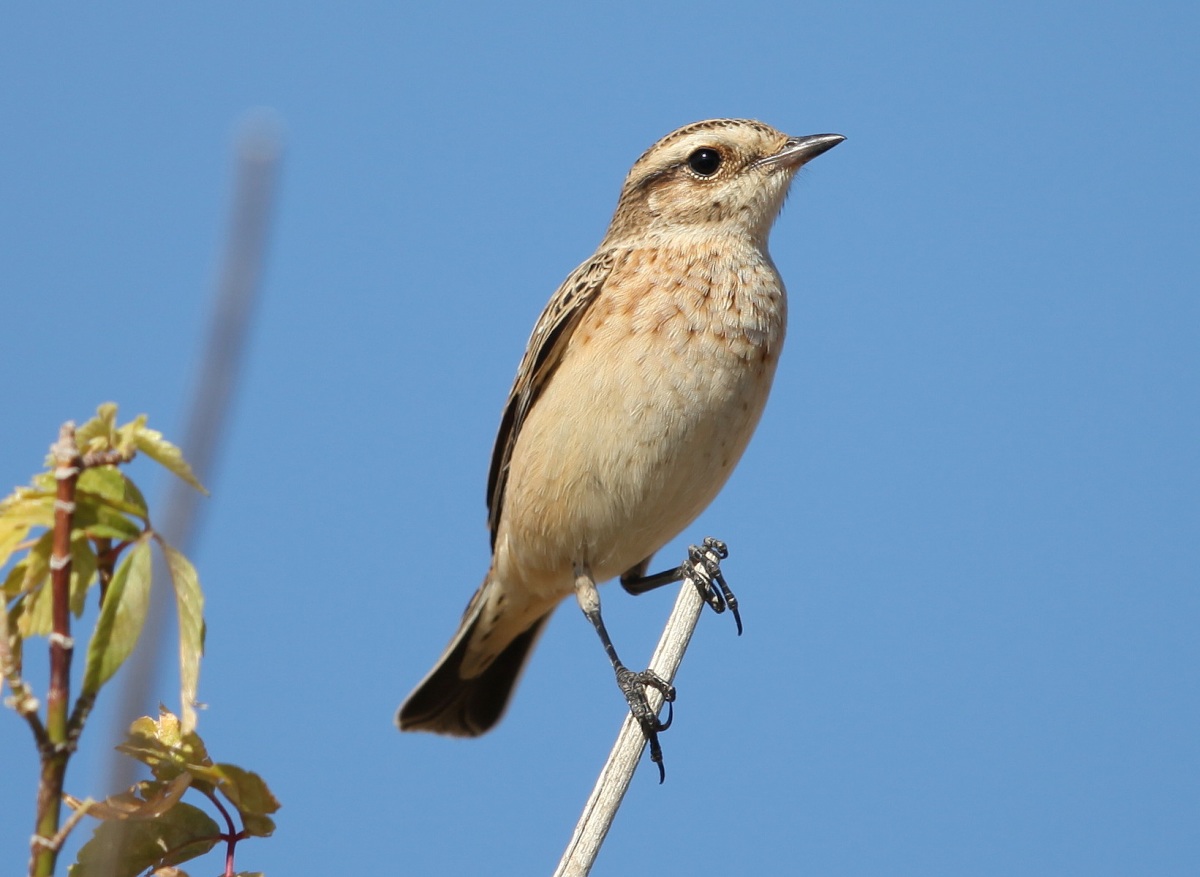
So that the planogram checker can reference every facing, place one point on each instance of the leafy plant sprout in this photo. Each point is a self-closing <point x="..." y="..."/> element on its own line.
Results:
<point x="82" y="525"/>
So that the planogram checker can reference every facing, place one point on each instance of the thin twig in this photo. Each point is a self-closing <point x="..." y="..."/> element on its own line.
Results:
<point x="80" y="811"/>
<point x="231" y="837"/>
<point x="23" y="700"/>
<point x="614" y="778"/>
<point x="95" y="459"/>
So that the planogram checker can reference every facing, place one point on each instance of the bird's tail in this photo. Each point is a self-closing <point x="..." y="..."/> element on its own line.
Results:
<point x="467" y="691"/>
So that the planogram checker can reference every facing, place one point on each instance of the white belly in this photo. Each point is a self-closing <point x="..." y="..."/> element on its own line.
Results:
<point x="636" y="431"/>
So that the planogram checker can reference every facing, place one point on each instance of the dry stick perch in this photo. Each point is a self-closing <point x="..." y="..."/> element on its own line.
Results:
<point x="614" y="779"/>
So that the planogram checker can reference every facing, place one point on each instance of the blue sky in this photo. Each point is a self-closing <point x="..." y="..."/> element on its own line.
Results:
<point x="966" y="536"/>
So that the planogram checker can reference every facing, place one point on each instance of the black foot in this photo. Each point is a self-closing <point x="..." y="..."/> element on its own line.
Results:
<point x="703" y="569"/>
<point x="633" y="686"/>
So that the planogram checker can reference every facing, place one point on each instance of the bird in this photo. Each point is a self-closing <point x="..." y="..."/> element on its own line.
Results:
<point x="639" y="389"/>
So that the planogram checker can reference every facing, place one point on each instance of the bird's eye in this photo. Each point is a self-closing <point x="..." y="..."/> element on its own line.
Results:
<point x="705" y="161"/>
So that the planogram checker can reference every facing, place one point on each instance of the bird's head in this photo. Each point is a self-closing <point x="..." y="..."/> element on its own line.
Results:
<point x="721" y="175"/>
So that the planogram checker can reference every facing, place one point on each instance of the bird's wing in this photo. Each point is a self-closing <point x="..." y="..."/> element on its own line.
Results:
<point x="542" y="355"/>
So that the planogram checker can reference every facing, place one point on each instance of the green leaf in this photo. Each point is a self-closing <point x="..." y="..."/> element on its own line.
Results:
<point x="20" y="511"/>
<point x="246" y="791"/>
<point x="99" y="433"/>
<point x="14" y="579"/>
<point x="190" y="602"/>
<point x="121" y="618"/>
<point x="37" y="562"/>
<point x="181" y="833"/>
<point x="110" y="485"/>
<point x="45" y="482"/>
<point x="99" y="520"/>
<point x="151" y="443"/>
<point x="83" y="570"/>
<point x="31" y="571"/>
<point x="38" y="618"/>
<point x="258" y="826"/>
<point x="11" y="537"/>
<point x="168" y="751"/>
<point x="134" y="497"/>
<point x="145" y="800"/>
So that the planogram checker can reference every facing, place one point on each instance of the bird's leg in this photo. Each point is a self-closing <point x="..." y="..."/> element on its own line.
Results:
<point x="633" y="685"/>
<point x="702" y="568"/>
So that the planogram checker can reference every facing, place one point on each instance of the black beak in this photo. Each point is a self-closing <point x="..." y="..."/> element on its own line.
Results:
<point x="800" y="150"/>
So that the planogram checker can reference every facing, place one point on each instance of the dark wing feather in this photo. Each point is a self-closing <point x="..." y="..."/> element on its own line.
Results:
<point x="546" y="345"/>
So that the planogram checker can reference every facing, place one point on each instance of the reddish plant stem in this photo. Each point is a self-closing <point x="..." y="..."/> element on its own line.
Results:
<point x="231" y="837"/>
<point x="57" y="751"/>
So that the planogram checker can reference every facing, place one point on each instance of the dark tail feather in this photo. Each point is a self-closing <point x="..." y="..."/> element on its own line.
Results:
<point x="445" y="703"/>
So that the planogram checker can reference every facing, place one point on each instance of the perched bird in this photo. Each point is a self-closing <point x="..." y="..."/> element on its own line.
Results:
<point x="639" y="390"/>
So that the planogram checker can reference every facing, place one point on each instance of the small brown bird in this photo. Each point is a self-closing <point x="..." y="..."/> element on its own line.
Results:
<point x="640" y="387"/>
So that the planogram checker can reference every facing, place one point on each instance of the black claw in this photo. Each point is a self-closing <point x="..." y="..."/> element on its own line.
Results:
<point x="633" y="686"/>
<point x="730" y="600"/>
<point x="662" y="726"/>
<point x="703" y="570"/>
<point x="656" y="755"/>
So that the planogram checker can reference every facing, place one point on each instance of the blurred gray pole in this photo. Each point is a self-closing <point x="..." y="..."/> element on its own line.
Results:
<point x="258" y="149"/>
